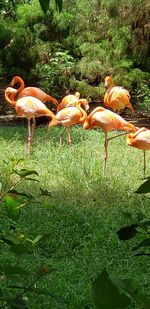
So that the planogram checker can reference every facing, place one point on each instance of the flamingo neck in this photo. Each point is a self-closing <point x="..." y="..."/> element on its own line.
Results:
<point x="110" y="86"/>
<point x="87" y="123"/>
<point x="10" y="98"/>
<point x="84" y="114"/>
<point x="18" y="79"/>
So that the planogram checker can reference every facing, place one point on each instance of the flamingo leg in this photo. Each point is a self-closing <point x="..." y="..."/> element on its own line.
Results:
<point x="106" y="151"/>
<point x="144" y="163"/>
<point x="117" y="135"/>
<point x="61" y="136"/>
<point x="29" y="137"/>
<point x="69" y="135"/>
<point x="33" y="126"/>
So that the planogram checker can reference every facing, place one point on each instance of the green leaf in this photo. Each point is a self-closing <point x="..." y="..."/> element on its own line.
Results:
<point x="39" y="237"/>
<point x="144" y="188"/>
<point x="1" y="186"/>
<point x="59" y="5"/>
<point x="106" y="295"/>
<point x="32" y="179"/>
<point x="142" y="254"/>
<point x="10" y="270"/>
<point x="127" y="232"/>
<point x="10" y="239"/>
<point x="127" y="286"/>
<point x="16" y="161"/>
<point x="20" y="193"/>
<point x="17" y="303"/>
<point x="144" y="243"/>
<point x="144" y="224"/>
<point x="12" y="209"/>
<point x="45" y="192"/>
<point x="16" y="244"/>
<point x="44" y="5"/>
<point x="20" y="249"/>
<point x="25" y="172"/>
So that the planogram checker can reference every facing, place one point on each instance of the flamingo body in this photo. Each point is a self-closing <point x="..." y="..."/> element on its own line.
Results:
<point x="107" y="121"/>
<point x="31" y="107"/>
<point x="68" y="117"/>
<point x="116" y="97"/>
<point x="36" y="92"/>
<point x="140" y="139"/>
<point x="68" y="100"/>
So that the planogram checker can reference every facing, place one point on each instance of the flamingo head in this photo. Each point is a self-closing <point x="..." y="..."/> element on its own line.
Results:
<point x="14" y="80"/>
<point x="108" y="81"/>
<point x="77" y="94"/>
<point x="11" y="91"/>
<point x="10" y="94"/>
<point x="85" y="104"/>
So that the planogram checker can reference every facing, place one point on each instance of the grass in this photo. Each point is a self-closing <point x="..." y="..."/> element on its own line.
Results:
<point x="84" y="211"/>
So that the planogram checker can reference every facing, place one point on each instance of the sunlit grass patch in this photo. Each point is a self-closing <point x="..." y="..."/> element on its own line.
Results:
<point x="84" y="210"/>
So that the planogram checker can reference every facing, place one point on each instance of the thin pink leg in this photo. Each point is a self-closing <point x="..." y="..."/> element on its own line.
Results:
<point x="33" y="127"/>
<point x="144" y="163"/>
<point x="106" y="151"/>
<point x="29" y="137"/>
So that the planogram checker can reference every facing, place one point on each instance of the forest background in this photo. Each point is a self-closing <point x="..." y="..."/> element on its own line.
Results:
<point x="75" y="49"/>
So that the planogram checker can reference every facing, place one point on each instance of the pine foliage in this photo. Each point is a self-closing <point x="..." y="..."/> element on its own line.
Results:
<point x="77" y="48"/>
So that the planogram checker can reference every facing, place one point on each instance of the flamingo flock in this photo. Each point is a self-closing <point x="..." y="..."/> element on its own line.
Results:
<point x="30" y="103"/>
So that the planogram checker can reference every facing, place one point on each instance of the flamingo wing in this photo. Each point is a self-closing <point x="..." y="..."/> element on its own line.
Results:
<point x="31" y="107"/>
<point x="139" y="139"/>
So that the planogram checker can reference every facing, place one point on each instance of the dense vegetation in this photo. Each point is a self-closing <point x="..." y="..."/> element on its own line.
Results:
<point x="77" y="48"/>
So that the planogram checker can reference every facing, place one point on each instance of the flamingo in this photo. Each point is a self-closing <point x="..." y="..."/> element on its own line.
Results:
<point x="68" y="99"/>
<point x="71" y="100"/>
<point x="29" y="107"/>
<point x="67" y="117"/>
<point x="116" y="97"/>
<point x="107" y="121"/>
<point x="23" y="91"/>
<point x="141" y="140"/>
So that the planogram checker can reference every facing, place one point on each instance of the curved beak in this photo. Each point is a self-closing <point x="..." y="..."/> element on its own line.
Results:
<point x="87" y="107"/>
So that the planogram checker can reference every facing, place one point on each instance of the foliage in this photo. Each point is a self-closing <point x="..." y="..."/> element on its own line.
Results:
<point x="143" y="96"/>
<point x="55" y="71"/>
<point x="110" y="291"/>
<point x="102" y="37"/>
<point x="17" y="281"/>
<point x="45" y="5"/>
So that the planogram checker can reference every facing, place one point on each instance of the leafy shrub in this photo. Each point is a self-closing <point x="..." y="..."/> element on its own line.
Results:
<point x="18" y="277"/>
<point x="143" y="97"/>
<point x="54" y="76"/>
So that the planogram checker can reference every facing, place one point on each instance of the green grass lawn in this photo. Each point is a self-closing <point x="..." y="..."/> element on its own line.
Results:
<point x="84" y="211"/>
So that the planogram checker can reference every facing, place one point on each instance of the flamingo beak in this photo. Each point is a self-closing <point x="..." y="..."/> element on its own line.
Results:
<point x="106" y="85"/>
<point x="87" y="107"/>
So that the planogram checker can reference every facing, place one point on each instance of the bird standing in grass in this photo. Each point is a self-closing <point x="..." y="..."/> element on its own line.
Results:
<point x="29" y="107"/>
<point x="107" y="121"/>
<point x="67" y="117"/>
<point x="116" y="97"/>
<point x="141" y="140"/>
<point x="23" y="91"/>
